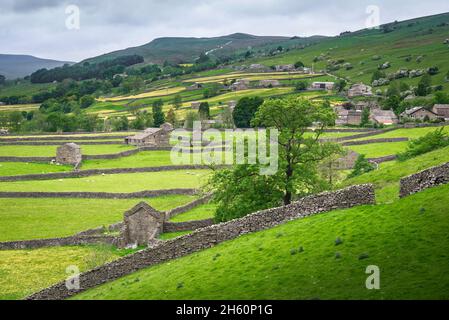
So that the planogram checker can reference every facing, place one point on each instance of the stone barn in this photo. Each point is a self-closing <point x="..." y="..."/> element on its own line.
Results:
<point x="152" y="137"/>
<point x="69" y="154"/>
<point x="269" y="83"/>
<point x="142" y="225"/>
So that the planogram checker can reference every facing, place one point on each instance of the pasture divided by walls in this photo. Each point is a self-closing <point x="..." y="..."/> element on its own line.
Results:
<point x="210" y="236"/>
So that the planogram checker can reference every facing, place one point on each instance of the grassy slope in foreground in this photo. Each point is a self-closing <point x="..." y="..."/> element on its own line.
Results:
<point x="23" y="272"/>
<point x="386" y="179"/>
<point x="407" y="243"/>
<point x="28" y="219"/>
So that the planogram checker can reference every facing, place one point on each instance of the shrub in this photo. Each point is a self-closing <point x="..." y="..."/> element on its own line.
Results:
<point x="362" y="165"/>
<point x="431" y="141"/>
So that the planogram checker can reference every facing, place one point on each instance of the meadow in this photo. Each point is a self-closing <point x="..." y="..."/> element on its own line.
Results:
<point x="129" y="182"/>
<point x="46" y="218"/>
<point x="386" y="179"/>
<point x="23" y="272"/>
<point x="50" y="151"/>
<point x="377" y="150"/>
<point x="22" y="168"/>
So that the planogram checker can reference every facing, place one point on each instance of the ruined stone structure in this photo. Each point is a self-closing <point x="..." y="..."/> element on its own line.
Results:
<point x="426" y="179"/>
<point x="69" y="154"/>
<point x="143" y="224"/>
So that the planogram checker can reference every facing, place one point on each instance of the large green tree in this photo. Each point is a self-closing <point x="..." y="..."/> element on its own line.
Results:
<point x="245" y="110"/>
<point x="242" y="190"/>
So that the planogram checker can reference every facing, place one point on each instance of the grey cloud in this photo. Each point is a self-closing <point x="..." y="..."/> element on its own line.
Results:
<point x="38" y="26"/>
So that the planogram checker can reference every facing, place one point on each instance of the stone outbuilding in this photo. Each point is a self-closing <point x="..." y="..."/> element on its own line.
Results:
<point x="69" y="154"/>
<point x="323" y="85"/>
<point x="142" y="225"/>
<point x="269" y="83"/>
<point x="152" y="137"/>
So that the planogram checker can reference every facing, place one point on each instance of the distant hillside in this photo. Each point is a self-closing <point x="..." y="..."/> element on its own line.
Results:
<point x="416" y="44"/>
<point x="18" y="66"/>
<point x="188" y="49"/>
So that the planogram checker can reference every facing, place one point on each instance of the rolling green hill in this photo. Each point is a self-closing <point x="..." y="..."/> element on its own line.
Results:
<point x="412" y="44"/>
<point x="188" y="49"/>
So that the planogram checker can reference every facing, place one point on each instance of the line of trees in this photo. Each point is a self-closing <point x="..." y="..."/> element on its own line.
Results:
<point x="103" y="70"/>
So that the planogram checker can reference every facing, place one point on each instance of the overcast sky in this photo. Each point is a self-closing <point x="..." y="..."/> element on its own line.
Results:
<point x="38" y="27"/>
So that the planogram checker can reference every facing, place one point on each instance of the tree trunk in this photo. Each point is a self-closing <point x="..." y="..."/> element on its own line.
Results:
<point x="288" y="193"/>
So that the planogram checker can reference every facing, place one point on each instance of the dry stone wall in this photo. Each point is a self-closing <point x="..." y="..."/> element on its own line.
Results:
<point x="96" y="172"/>
<point x="99" y="195"/>
<point x="57" y="242"/>
<point x="426" y="179"/>
<point x="210" y="236"/>
<point x="187" y="226"/>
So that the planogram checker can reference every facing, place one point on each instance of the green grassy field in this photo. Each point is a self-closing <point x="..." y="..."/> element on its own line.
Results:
<point x="205" y="211"/>
<point x="133" y="182"/>
<point x="412" y="133"/>
<point x="377" y="150"/>
<point x="142" y="159"/>
<point x="21" y="168"/>
<point x="28" y="219"/>
<point x="23" y="272"/>
<point x="386" y="179"/>
<point x="409" y="247"/>
<point x="50" y="151"/>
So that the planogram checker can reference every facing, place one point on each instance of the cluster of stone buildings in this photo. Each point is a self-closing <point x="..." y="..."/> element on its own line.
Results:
<point x="439" y="111"/>
<point x="353" y="116"/>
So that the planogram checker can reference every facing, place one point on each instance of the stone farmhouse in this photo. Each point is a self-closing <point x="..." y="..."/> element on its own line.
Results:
<point x="442" y="110"/>
<point x="348" y="117"/>
<point x="419" y="113"/>
<point x="360" y="90"/>
<point x="269" y="83"/>
<point x="323" y="85"/>
<point x="285" y="68"/>
<point x="242" y="84"/>
<point x="152" y="137"/>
